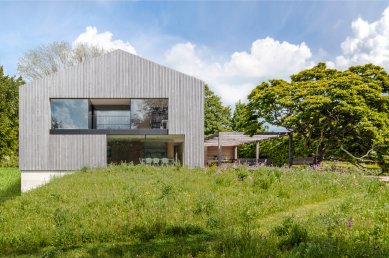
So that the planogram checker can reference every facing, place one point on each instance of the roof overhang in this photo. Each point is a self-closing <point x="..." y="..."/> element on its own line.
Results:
<point x="238" y="138"/>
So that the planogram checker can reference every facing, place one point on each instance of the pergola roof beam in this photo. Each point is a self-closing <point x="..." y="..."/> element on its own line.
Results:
<point x="238" y="138"/>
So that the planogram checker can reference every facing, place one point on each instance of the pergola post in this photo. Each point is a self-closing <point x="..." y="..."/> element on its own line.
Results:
<point x="257" y="153"/>
<point x="290" y="149"/>
<point x="219" y="150"/>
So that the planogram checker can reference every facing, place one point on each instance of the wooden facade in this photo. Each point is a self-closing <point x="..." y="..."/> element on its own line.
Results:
<point x="117" y="74"/>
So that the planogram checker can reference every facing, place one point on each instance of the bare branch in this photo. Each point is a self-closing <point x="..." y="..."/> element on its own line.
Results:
<point x="361" y="159"/>
<point x="50" y="58"/>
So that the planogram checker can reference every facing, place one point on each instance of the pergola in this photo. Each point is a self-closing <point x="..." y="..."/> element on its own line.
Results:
<point x="221" y="139"/>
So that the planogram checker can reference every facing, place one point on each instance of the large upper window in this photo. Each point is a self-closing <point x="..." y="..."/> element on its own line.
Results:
<point x="109" y="113"/>
<point x="69" y="114"/>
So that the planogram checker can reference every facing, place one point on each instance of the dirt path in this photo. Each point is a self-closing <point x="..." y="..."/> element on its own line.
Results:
<point x="383" y="178"/>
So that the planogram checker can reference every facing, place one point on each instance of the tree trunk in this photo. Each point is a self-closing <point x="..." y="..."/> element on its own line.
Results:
<point x="319" y="157"/>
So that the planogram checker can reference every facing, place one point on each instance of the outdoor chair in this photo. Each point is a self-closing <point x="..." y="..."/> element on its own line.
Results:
<point x="155" y="161"/>
<point x="149" y="161"/>
<point x="165" y="161"/>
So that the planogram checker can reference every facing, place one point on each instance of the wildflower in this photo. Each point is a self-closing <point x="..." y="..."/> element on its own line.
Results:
<point x="349" y="222"/>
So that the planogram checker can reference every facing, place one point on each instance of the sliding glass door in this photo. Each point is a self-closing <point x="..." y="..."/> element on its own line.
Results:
<point x="139" y="148"/>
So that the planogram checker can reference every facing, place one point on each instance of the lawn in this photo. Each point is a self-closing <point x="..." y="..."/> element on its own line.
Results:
<point x="9" y="183"/>
<point x="175" y="212"/>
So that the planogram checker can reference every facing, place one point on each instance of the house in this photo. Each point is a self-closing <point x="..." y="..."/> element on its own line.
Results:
<point x="114" y="108"/>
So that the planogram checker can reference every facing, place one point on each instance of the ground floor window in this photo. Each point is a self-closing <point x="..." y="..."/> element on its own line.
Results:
<point x="148" y="149"/>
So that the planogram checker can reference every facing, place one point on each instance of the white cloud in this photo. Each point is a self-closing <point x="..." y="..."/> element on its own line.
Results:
<point x="103" y="40"/>
<point x="184" y="57"/>
<point x="236" y="77"/>
<point x="232" y="79"/>
<point x="269" y="58"/>
<point x="368" y="44"/>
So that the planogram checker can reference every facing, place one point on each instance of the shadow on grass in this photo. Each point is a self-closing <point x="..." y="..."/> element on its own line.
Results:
<point x="225" y="245"/>
<point x="10" y="192"/>
<point x="189" y="246"/>
<point x="180" y="240"/>
<point x="217" y="246"/>
<point x="153" y="241"/>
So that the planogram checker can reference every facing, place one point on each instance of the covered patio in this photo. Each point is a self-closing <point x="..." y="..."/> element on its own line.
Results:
<point x="222" y="147"/>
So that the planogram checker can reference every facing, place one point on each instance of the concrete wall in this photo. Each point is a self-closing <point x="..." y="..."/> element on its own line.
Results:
<point x="33" y="179"/>
<point x="115" y="75"/>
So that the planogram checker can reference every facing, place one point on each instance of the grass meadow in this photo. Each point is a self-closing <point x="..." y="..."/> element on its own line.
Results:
<point x="9" y="183"/>
<point x="143" y="211"/>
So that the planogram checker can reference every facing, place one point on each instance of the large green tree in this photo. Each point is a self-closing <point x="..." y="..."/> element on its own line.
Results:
<point x="340" y="113"/>
<point x="217" y="116"/>
<point x="9" y="122"/>
<point x="243" y="119"/>
<point x="277" y="150"/>
<point x="239" y="117"/>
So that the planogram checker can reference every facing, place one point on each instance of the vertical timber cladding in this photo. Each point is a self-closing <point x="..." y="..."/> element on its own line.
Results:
<point x="115" y="75"/>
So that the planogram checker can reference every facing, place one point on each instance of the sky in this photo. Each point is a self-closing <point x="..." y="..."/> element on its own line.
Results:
<point x="231" y="45"/>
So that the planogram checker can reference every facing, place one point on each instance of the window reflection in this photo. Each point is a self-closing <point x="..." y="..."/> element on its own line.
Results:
<point x="69" y="114"/>
<point x="155" y="149"/>
<point x="149" y="113"/>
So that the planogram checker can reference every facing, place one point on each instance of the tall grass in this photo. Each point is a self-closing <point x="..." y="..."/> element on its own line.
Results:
<point x="173" y="212"/>
<point x="9" y="183"/>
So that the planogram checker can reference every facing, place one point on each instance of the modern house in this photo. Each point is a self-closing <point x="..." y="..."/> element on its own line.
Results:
<point x="113" y="108"/>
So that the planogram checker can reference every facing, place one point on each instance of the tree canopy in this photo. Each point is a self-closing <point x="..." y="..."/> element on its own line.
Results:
<point x="217" y="117"/>
<point x="9" y="108"/>
<point x="48" y="59"/>
<point x="341" y="113"/>
<point x="243" y="119"/>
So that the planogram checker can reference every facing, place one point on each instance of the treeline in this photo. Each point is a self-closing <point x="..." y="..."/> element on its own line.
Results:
<point x="9" y="121"/>
<point x="342" y="115"/>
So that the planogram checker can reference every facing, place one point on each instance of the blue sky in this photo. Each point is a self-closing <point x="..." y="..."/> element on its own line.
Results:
<point x="233" y="46"/>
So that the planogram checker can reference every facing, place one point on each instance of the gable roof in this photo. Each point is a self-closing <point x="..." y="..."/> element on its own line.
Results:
<point x="112" y="57"/>
<point x="152" y="62"/>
